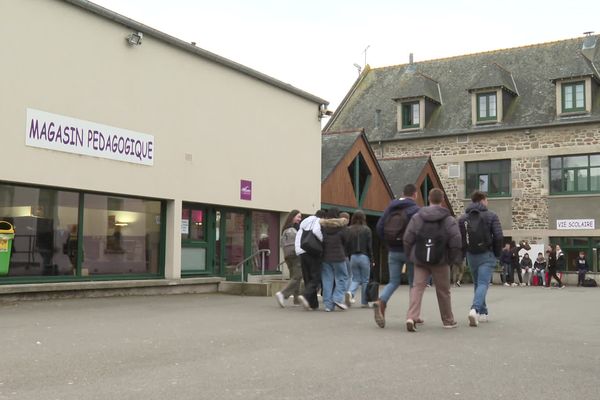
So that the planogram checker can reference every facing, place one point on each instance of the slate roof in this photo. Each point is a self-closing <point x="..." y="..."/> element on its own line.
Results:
<point x="494" y="76"/>
<point x="401" y="171"/>
<point x="534" y="69"/>
<point x="334" y="147"/>
<point x="415" y="84"/>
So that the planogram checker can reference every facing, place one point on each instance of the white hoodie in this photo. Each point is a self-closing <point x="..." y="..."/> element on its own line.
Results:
<point x="309" y="223"/>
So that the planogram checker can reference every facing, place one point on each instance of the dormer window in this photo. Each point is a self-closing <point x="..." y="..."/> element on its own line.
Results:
<point x="492" y="91"/>
<point x="418" y="97"/>
<point x="573" y="96"/>
<point x="411" y="115"/>
<point x="486" y="107"/>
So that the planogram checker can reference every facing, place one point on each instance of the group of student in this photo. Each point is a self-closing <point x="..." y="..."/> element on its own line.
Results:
<point x="541" y="271"/>
<point x="326" y="249"/>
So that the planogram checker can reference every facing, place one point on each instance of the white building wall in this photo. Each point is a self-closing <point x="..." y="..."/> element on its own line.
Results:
<point x="212" y="125"/>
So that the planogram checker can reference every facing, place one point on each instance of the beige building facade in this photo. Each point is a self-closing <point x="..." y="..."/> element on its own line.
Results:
<point x="155" y="157"/>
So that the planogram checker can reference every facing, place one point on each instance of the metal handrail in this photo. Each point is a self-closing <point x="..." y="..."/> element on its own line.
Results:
<point x="262" y="252"/>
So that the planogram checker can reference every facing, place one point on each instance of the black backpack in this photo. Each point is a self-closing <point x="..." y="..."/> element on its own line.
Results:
<point x="478" y="238"/>
<point x="590" y="282"/>
<point x="394" y="227"/>
<point x="430" y="243"/>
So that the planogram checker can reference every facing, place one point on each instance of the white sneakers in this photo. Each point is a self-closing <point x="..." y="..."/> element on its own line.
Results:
<point x="473" y="318"/>
<point x="348" y="299"/>
<point x="280" y="299"/>
<point x="483" y="318"/>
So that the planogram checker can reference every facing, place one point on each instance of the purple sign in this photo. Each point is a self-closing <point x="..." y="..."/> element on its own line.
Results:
<point x="245" y="190"/>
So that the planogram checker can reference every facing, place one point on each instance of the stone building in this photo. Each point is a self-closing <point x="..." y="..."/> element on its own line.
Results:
<point x="522" y="124"/>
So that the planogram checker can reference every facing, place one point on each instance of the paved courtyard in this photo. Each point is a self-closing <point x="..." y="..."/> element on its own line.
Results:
<point x="539" y="344"/>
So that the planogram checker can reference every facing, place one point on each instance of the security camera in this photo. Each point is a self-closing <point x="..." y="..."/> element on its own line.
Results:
<point x="135" y="39"/>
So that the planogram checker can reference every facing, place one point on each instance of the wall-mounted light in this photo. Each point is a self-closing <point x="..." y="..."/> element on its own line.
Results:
<point x="135" y="39"/>
<point x="121" y="223"/>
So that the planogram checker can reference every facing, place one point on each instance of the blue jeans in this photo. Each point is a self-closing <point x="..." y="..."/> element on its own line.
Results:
<point x="334" y="272"/>
<point x="482" y="265"/>
<point x="349" y="280"/>
<point x="395" y="261"/>
<point x="361" y="267"/>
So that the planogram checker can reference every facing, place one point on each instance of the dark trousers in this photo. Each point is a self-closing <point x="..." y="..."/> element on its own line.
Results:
<point x="311" y="272"/>
<point x="511" y="275"/>
<point x="580" y="278"/>
<point x="552" y="273"/>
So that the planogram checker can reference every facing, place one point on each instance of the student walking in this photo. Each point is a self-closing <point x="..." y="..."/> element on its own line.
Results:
<point x="334" y="272"/>
<point x="482" y="241"/>
<point x="432" y="242"/>
<point x="505" y="260"/>
<point x="311" y="263"/>
<point x="458" y="270"/>
<point x="359" y="246"/>
<point x="292" y="260"/>
<point x="390" y="228"/>
<point x="553" y="252"/>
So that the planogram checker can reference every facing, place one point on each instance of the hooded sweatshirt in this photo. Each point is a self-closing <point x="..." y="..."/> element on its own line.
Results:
<point x="492" y="222"/>
<point x="404" y="203"/>
<point x="435" y="213"/>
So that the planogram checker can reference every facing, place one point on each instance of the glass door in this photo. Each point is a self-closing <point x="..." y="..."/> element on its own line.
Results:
<point x="231" y="244"/>
<point x="195" y="241"/>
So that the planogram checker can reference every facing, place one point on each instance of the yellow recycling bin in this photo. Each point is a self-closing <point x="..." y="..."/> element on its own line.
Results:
<point x="7" y="234"/>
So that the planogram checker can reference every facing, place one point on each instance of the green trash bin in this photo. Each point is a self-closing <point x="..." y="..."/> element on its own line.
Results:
<point x="7" y="234"/>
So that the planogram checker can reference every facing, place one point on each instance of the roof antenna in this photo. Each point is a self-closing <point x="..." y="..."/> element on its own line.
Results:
<point x="365" y="51"/>
<point x="358" y="67"/>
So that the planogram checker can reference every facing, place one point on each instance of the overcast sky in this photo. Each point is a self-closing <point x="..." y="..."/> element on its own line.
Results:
<point x="313" y="44"/>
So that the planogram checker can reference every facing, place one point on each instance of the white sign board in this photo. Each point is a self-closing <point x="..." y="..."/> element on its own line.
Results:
<point x="575" y="224"/>
<point x="185" y="226"/>
<point x="57" y="132"/>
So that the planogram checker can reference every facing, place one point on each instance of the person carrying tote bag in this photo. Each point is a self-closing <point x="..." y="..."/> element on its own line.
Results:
<point x="311" y="263"/>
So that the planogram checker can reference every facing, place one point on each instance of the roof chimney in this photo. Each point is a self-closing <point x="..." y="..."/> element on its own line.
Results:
<point x="410" y="58"/>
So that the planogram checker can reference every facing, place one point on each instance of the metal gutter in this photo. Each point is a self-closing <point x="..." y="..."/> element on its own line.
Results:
<point x="146" y="30"/>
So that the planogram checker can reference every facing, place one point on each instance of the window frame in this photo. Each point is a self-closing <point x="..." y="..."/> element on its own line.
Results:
<point x="564" y="172"/>
<point x="408" y="113"/>
<point x="500" y="174"/>
<point x="573" y="85"/>
<point x="487" y="96"/>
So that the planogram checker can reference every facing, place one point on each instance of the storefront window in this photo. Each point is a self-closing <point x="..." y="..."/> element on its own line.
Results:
<point x="44" y="220"/>
<point x="120" y="236"/>
<point x="265" y="235"/>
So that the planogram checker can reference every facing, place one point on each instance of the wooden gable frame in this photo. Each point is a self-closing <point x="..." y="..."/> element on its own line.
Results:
<point x="419" y="178"/>
<point x="337" y="188"/>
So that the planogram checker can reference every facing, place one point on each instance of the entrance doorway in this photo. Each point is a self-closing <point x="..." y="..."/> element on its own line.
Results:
<point x="219" y="241"/>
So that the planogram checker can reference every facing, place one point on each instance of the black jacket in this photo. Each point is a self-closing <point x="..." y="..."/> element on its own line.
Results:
<point x="359" y="240"/>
